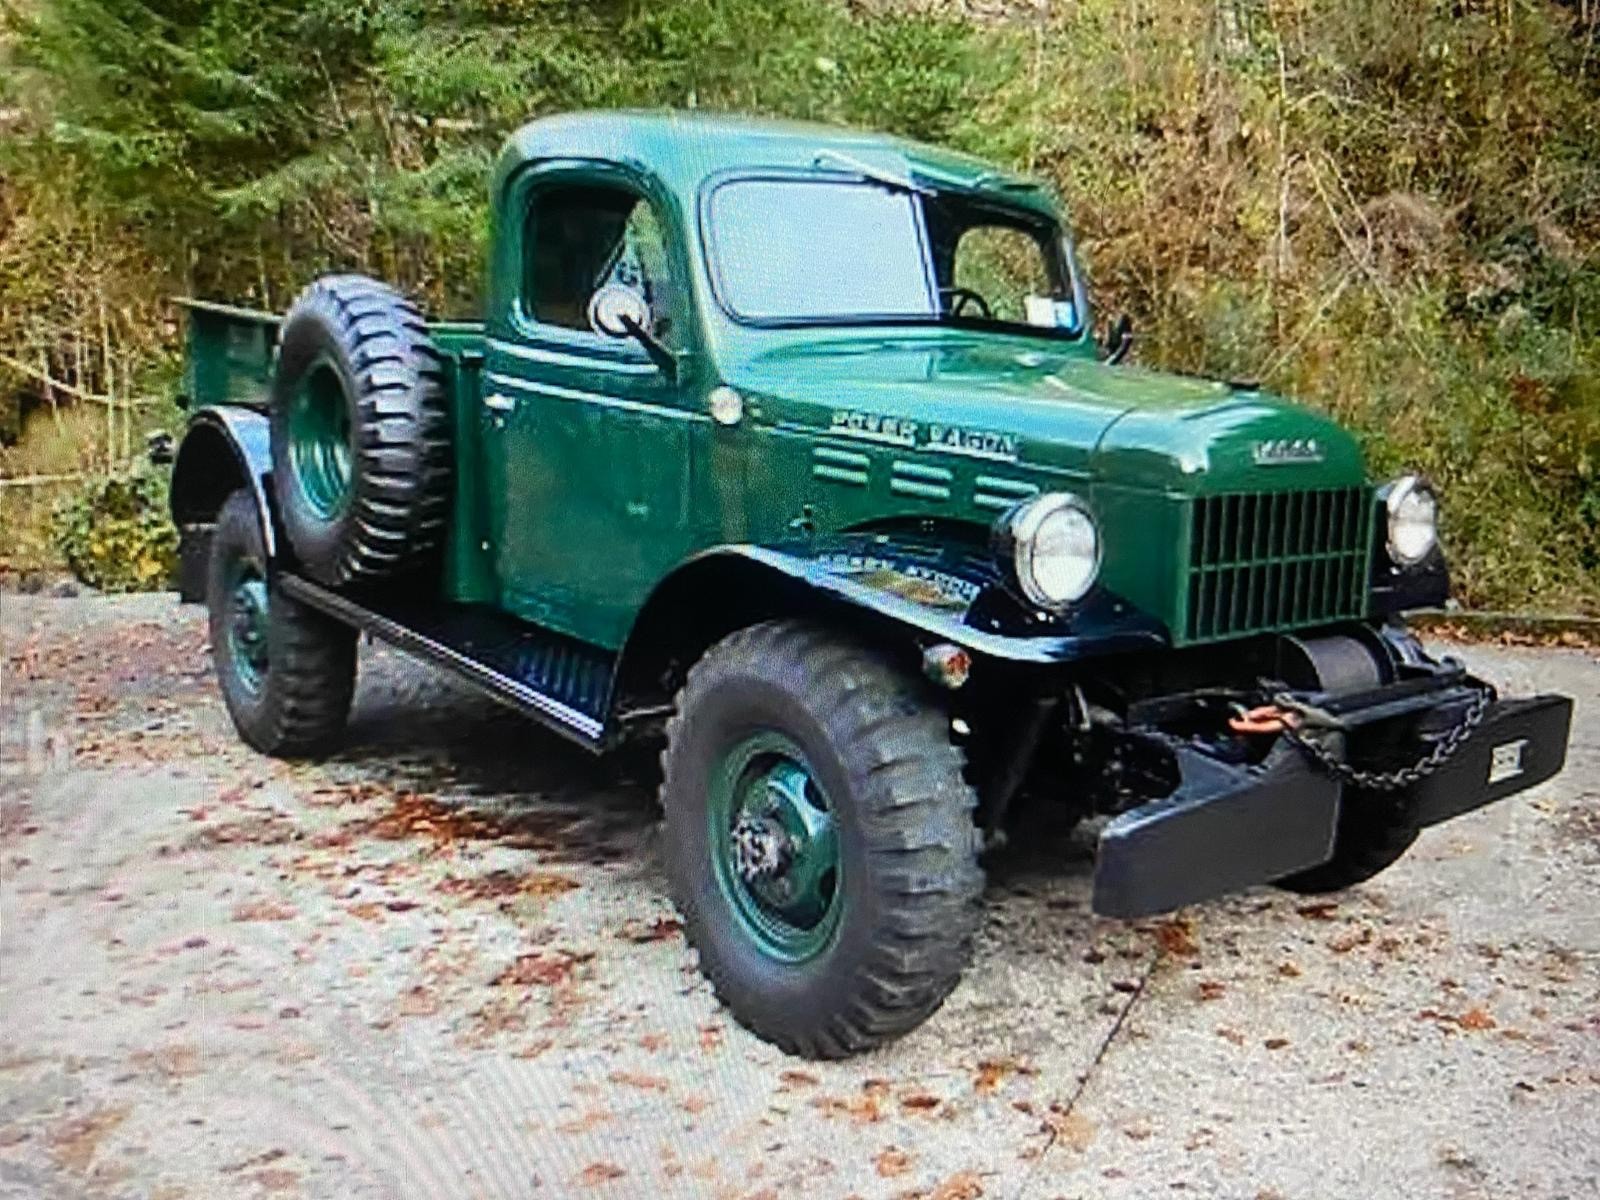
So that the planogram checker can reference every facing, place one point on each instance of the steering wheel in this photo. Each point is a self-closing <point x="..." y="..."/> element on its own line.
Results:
<point x="960" y="297"/>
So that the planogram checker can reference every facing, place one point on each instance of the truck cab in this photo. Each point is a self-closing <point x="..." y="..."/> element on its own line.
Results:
<point x="790" y="450"/>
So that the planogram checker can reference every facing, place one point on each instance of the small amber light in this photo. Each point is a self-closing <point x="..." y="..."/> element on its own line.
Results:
<point x="947" y="665"/>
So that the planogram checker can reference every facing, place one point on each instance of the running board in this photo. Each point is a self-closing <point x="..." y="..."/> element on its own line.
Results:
<point x="557" y="680"/>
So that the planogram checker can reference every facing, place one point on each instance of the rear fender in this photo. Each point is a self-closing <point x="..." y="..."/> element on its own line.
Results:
<point x="224" y="448"/>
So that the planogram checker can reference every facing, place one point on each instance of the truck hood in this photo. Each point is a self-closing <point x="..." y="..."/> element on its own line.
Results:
<point x="1060" y="408"/>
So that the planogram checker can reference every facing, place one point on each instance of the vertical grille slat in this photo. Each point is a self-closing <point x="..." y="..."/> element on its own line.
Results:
<point x="1275" y="560"/>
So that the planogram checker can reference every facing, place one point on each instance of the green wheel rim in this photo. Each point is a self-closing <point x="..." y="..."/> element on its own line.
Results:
<point x="247" y="625"/>
<point x="775" y="846"/>
<point x="319" y="440"/>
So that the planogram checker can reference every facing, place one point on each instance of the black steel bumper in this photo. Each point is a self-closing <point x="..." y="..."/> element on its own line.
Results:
<point x="1228" y="827"/>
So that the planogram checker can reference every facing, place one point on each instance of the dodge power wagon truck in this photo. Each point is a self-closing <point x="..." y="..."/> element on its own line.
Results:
<point x="792" y="450"/>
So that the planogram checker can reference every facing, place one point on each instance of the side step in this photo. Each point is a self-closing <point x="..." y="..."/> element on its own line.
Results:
<point x="560" y="681"/>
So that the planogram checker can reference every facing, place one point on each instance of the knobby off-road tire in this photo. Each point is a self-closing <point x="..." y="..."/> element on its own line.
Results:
<point x="826" y="735"/>
<point x="286" y="671"/>
<point x="360" y="433"/>
<point x="1374" y="831"/>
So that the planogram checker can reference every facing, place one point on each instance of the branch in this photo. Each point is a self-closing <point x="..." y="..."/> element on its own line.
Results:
<point x="39" y="480"/>
<point x="16" y="364"/>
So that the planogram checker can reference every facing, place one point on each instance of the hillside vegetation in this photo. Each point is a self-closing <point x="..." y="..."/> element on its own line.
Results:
<point x="1389" y="208"/>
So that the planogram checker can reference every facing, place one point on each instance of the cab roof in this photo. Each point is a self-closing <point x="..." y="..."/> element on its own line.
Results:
<point x="684" y="149"/>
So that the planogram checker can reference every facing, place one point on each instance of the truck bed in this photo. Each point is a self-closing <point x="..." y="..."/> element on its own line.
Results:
<point x="229" y="357"/>
<point x="229" y="352"/>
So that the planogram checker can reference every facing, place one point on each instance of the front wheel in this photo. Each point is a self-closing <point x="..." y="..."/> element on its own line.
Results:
<point x="819" y="839"/>
<point x="287" y="672"/>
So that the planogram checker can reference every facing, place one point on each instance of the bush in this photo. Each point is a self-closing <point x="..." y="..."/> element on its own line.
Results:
<point x="116" y="534"/>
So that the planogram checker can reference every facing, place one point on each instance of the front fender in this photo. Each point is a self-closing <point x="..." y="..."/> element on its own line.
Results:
<point x="953" y="594"/>
<point x="902" y="583"/>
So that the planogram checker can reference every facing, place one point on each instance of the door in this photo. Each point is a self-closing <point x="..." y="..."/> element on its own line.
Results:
<point x="586" y="438"/>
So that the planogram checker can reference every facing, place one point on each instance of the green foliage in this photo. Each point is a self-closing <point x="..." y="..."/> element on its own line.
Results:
<point x="116" y="534"/>
<point x="1384" y="207"/>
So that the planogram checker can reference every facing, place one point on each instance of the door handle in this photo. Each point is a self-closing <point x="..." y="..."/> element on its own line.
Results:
<point x="499" y="402"/>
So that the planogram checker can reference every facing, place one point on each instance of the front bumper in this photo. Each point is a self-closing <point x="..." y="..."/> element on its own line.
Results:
<point x="1227" y="827"/>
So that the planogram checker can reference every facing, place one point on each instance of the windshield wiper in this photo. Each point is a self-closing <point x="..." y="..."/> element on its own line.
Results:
<point x="889" y="179"/>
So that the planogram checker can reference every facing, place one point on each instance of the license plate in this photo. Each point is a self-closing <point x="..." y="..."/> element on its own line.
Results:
<point x="1505" y="761"/>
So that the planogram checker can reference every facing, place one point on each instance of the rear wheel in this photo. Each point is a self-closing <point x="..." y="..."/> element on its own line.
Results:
<point x="819" y="838"/>
<point x="287" y="672"/>
<point x="1374" y="832"/>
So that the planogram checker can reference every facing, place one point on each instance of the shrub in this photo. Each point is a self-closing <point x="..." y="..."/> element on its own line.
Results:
<point x="116" y="535"/>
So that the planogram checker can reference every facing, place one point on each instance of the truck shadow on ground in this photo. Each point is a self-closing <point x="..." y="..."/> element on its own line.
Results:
<point x="458" y="765"/>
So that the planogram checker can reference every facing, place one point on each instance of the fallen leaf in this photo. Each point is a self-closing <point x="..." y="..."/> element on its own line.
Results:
<point x="919" y="1102"/>
<point x="1233" y="1035"/>
<point x="659" y="930"/>
<point x="645" y="1083"/>
<point x="963" y="1185"/>
<point x="418" y="1002"/>
<point x="1473" y="1020"/>
<point x="1072" y="1129"/>
<point x="1476" y="1018"/>
<point x="74" y="1142"/>
<point x="1175" y="937"/>
<point x="892" y="1161"/>
<point x="600" y="1172"/>
<point x="1325" y="910"/>
<point x="1210" y="989"/>
<point x="264" y="910"/>
<point x="589" y="1120"/>
<point x="1347" y="942"/>
<point x="545" y="969"/>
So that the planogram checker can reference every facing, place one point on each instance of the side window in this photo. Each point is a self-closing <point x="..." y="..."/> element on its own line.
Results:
<point x="1005" y="265"/>
<point x="581" y="239"/>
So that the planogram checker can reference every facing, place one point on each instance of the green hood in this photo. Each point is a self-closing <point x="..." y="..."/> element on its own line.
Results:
<point x="1056" y="407"/>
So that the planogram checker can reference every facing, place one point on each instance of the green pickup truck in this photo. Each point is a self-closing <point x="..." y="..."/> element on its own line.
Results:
<point x="791" y="450"/>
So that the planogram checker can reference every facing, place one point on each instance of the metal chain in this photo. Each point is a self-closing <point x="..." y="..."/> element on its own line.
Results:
<point x="1404" y="777"/>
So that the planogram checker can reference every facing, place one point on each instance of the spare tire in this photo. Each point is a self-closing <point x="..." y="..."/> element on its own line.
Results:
<point x="360" y="433"/>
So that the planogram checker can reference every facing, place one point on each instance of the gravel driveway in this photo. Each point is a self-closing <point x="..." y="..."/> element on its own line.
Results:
<point x="444" y="965"/>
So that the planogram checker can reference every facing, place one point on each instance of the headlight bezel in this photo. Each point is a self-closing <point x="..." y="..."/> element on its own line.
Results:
<point x="1016" y="537"/>
<point x="1403" y="491"/>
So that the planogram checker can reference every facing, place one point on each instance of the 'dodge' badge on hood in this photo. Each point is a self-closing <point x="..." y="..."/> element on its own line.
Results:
<point x="1283" y="452"/>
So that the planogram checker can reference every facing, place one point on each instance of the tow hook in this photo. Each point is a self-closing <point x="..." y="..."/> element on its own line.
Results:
<point x="1264" y="718"/>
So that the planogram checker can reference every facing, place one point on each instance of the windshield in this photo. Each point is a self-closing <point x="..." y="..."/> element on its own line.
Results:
<point x="836" y="251"/>
<point x="814" y="249"/>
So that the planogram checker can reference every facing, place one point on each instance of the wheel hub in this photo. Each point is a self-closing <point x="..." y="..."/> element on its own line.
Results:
<point x="247" y="628"/>
<point x="779" y="846"/>
<point x="761" y="848"/>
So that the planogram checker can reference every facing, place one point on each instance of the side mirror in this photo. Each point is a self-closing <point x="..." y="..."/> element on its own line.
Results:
<point x="618" y="311"/>
<point x="614" y="307"/>
<point x="1119" y="339"/>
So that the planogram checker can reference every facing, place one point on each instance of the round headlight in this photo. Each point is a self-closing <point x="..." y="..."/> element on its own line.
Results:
<point x="1054" y="547"/>
<point x="1413" y="520"/>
